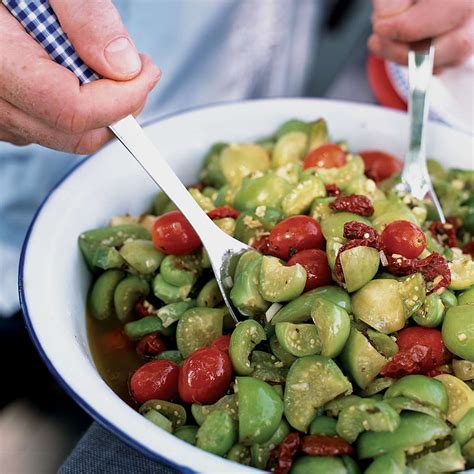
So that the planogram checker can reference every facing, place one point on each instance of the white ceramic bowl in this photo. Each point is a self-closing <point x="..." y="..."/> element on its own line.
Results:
<point x="53" y="279"/>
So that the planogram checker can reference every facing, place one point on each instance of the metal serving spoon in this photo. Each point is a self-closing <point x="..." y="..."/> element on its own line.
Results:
<point x="40" y="21"/>
<point x="415" y="178"/>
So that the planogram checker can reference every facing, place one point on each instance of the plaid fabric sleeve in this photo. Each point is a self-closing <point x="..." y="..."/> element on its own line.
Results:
<point x="40" y="21"/>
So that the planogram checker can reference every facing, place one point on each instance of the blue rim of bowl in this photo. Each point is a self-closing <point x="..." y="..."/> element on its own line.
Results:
<point x="24" y="307"/>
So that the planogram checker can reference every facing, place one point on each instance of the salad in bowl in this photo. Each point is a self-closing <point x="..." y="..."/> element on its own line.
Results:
<point x="356" y="353"/>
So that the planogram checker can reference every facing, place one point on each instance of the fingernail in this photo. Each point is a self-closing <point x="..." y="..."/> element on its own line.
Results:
<point x="390" y="7"/>
<point x="122" y="56"/>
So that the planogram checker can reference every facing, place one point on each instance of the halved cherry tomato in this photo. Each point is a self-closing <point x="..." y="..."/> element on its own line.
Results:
<point x="205" y="376"/>
<point x="315" y="262"/>
<point x="155" y="379"/>
<point x="150" y="345"/>
<point x="294" y="234"/>
<point x="325" y="156"/>
<point x="403" y="238"/>
<point x="380" y="165"/>
<point x="173" y="234"/>
<point x="115" y="340"/>
<point x="428" y="337"/>
<point x="222" y="343"/>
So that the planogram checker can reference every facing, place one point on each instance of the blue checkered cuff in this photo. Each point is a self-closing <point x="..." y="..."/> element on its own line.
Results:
<point x="40" y="21"/>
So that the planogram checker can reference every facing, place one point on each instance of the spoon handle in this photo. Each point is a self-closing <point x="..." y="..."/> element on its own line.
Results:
<point x="415" y="171"/>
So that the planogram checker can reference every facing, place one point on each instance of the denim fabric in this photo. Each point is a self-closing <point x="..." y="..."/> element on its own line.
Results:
<point x="100" y="452"/>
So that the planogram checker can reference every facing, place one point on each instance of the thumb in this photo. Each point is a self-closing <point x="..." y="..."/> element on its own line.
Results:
<point x="383" y="8"/>
<point x="99" y="37"/>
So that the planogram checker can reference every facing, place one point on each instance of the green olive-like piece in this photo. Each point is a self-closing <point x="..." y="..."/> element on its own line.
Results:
<point x="167" y="292"/>
<point x="359" y="265"/>
<point x="389" y="210"/>
<point x="239" y="160"/>
<point x="180" y="270"/>
<point x="245" y="293"/>
<point x="319" y="465"/>
<point x="361" y="359"/>
<point x="241" y="454"/>
<point x="460" y="397"/>
<point x="246" y="335"/>
<point x="430" y="315"/>
<point x="318" y="134"/>
<point x="299" y="199"/>
<point x="378" y="304"/>
<point x="415" y="430"/>
<point x="218" y="433"/>
<point x="101" y="297"/>
<point x="210" y="295"/>
<point x="462" y="272"/>
<point x="393" y="462"/>
<point x="345" y="174"/>
<point x="298" y="339"/>
<point x="278" y="282"/>
<point x="198" y="327"/>
<point x="261" y="452"/>
<point x="172" y="411"/>
<point x="323" y="425"/>
<point x="366" y="415"/>
<point x="458" y="331"/>
<point x="267" y="190"/>
<point x="289" y="148"/>
<point x="226" y="403"/>
<point x="171" y="313"/>
<point x="137" y="329"/>
<point x="142" y="256"/>
<point x="466" y="297"/>
<point x="260" y="410"/>
<point x="422" y="389"/>
<point x="299" y="310"/>
<point x="312" y="381"/>
<point x="448" y="459"/>
<point x="187" y="433"/>
<point x="127" y="293"/>
<point x="333" y="326"/>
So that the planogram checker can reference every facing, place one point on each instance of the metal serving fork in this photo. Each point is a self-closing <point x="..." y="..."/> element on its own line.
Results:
<point x="415" y="177"/>
<point x="40" y="21"/>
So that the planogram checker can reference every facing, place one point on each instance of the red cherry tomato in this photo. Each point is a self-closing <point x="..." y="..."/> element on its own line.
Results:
<point x="150" y="345"/>
<point x="115" y="340"/>
<point x="293" y="234"/>
<point x="205" y="376"/>
<point x="155" y="379"/>
<point x="403" y="238"/>
<point x="428" y="337"/>
<point x="173" y="234"/>
<point x="325" y="156"/>
<point x="222" y="343"/>
<point x="380" y="165"/>
<point x="315" y="262"/>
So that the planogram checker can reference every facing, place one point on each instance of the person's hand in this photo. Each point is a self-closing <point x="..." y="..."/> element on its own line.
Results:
<point x="42" y="102"/>
<point x="397" y="23"/>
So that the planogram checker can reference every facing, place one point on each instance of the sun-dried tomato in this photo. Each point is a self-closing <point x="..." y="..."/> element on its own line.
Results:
<point x="434" y="268"/>
<point x="445" y="234"/>
<point x="356" y="203"/>
<point x="281" y="458"/>
<point x="150" y="345"/>
<point x="318" y="445"/>
<point x="332" y="190"/>
<point x="224" y="211"/>
<point x="469" y="248"/>
<point x="415" y="360"/>
<point x="362" y="235"/>
<point x="359" y="230"/>
<point x="143" y="308"/>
